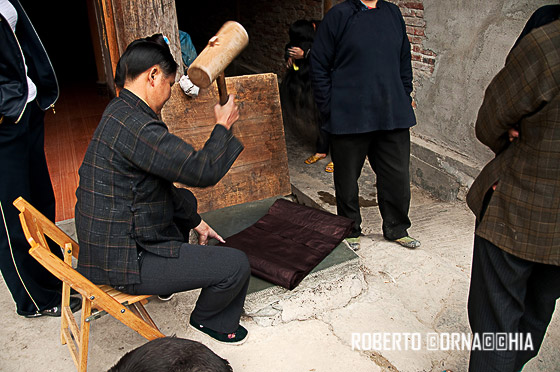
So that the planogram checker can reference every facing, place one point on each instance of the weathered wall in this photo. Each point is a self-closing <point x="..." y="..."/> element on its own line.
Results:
<point x="267" y="24"/>
<point x="471" y="40"/>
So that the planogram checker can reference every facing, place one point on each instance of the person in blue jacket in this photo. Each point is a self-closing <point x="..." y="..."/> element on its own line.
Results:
<point x="28" y="87"/>
<point x="362" y="81"/>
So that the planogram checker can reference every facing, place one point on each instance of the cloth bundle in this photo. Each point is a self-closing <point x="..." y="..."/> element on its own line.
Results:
<point x="289" y="241"/>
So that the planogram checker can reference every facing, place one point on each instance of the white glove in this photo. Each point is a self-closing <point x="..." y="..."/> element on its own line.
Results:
<point x="188" y="87"/>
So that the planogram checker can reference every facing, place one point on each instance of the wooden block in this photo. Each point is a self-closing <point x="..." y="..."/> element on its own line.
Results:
<point x="261" y="171"/>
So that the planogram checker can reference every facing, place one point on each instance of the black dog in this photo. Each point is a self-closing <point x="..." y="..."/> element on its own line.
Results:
<point x="171" y="354"/>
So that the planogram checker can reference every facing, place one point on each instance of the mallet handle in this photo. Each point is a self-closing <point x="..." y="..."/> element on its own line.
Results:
<point x="222" y="89"/>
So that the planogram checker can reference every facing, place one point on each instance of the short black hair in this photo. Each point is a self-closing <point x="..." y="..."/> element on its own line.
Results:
<point x="171" y="354"/>
<point x="142" y="54"/>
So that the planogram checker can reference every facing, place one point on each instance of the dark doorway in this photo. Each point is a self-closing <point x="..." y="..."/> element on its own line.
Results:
<point x="202" y="19"/>
<point x="63" y="27"/>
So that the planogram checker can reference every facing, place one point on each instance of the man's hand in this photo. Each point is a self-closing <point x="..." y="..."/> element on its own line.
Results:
<point x="289" y="62"/>
<point x="206" y="233"/>
<point x="513" y="133"/>
<point x="227" y="114"/>
<point x="296" y="53"/>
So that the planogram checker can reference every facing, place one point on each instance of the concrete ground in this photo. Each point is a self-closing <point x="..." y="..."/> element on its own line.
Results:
<point x="394" y="292"/>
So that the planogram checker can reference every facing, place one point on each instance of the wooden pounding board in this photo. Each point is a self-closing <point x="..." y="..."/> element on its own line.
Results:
<point x="261" y="171"/>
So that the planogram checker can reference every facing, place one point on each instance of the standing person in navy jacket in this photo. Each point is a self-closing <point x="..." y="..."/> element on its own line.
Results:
<point x="28" y="87"/>
<point x="362" y="79"/>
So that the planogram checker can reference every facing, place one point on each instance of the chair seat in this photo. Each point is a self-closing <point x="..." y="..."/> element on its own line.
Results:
<point x="122" y="297"/>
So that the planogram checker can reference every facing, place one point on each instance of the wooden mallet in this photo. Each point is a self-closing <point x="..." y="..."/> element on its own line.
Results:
<point x="221" y="50"/>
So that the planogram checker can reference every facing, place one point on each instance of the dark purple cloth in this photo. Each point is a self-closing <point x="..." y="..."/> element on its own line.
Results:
<point x="289" y="241"/>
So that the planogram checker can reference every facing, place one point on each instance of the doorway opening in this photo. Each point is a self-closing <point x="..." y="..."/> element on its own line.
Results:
<point x="64" y="29"/>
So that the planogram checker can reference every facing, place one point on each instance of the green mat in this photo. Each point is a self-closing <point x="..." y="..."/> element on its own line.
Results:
<point x="231" y="220"/>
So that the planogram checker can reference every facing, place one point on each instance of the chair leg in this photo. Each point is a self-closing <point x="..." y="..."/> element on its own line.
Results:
<point x="65" y="303"/>
<point x="84" y="337"/>
<point x="140" y="311"/>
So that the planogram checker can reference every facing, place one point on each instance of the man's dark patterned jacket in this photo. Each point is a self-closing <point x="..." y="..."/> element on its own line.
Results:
<point x="126" y="196"/>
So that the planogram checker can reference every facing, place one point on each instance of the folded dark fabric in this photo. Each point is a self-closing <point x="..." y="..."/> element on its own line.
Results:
<point x="289" y="241"/>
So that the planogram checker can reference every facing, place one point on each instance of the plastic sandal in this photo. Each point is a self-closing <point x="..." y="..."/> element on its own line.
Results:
<point x="314" y="158"/>
<point x="330" y="167"/>
<point x="408" y="242"/>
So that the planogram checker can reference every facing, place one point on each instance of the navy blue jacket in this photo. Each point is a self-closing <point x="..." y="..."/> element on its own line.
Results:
<point x="13" y="81"/>
<point x="361" y="69"/>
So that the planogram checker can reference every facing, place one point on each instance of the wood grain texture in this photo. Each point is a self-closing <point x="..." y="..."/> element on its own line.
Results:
<point x="261" y="171"/>
<point x="136" y="19"/>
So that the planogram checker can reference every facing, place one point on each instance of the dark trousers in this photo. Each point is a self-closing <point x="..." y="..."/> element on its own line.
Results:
<point x="222" y="273"/>
<point x="24" y="172"/>
<point x="388" y="153"/>
<point x="322" y="142"/>
<point x="512" y="295"/>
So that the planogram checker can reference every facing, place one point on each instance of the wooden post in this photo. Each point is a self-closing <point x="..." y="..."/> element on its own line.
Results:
<point x="110" y="33"/>
<point x="141" y="18"/>
<point x="93" y="28"/>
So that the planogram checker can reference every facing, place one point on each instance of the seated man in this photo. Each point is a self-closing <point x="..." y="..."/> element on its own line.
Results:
<point x="133" y="224"/>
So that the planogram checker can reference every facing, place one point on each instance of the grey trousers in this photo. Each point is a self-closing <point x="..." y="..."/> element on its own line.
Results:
<point x="222" y="273"/>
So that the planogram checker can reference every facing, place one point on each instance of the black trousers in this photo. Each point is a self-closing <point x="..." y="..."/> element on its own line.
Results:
<point x="24" y="172"/>
<point x="388" y="153"/>
<point x="223" y="274"/>
<point x="512" y="295"/>
<point x="322" y="142"/>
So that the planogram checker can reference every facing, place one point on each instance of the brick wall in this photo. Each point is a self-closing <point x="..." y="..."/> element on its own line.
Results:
<point x="423" y="60"/>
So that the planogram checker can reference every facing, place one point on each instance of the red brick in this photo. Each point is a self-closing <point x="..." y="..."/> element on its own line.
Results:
<point x="430" y="61"/>
<point x="413" y="5"/>
<point x="428" y="52"/>
<point x="418" y="31"/>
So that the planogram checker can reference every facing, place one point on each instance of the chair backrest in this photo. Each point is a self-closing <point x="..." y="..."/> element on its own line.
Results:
<point x="36" y="226"/>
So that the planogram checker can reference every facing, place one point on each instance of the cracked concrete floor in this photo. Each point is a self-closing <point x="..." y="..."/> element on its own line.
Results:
<point x="422" y="291"/>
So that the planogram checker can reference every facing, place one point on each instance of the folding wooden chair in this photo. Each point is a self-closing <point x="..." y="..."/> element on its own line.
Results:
<point x="105" y="299"/>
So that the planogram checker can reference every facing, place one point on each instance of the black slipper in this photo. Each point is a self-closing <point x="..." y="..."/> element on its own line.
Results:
<point x="236" y="338"/>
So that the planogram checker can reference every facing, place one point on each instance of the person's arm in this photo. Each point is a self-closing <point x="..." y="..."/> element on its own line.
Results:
<point x="186" y="207"/>
<point x="518" y="90"/>
<point x="163" y="154"/>
<point x="406" y="60"/>
<point x="206" y="233"/>
<point x="322" y="62"/>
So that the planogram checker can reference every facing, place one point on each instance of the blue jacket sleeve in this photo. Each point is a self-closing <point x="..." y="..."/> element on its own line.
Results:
<point x="322" y="61"/>
<point x="406" y="63"/>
